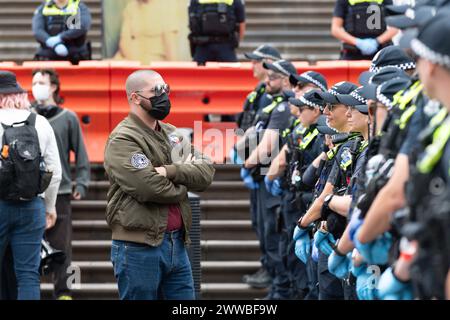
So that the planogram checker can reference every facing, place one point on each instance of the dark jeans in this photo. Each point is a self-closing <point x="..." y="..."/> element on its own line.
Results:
<point x="60" y="238"/>
<point x="8" y="277"/>
<point x="267" y="208"/>
<point x="219" y="52"/>
<point x="153" y="273"/>
<point x="22" y="225"/>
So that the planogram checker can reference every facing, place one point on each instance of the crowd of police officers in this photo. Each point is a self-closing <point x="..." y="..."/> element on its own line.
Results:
<point x="356" y="205"/>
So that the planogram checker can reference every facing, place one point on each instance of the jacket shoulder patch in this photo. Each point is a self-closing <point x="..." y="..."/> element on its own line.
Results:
<point x="139" y="161"/>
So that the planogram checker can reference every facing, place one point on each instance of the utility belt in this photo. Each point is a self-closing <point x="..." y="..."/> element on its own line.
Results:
<point x="198" y="40"/>
<point x="353" y="50"/>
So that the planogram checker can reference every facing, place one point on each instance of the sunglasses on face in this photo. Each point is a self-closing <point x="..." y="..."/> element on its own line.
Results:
<point x="331" y="107"/>
<point x="158" y="90"/>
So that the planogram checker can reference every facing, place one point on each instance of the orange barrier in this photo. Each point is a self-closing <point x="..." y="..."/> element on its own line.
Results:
<point x="95" y="90"/>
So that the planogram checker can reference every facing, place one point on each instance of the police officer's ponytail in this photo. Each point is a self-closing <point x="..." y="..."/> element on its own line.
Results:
<point x="54" y="80"/>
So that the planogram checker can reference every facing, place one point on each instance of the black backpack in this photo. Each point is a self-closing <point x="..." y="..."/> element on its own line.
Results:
<point x="23" y="172"/>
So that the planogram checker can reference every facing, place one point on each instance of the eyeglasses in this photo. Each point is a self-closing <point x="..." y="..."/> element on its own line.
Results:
<point x="158" y="90"/>
<point x="331" y="107"/>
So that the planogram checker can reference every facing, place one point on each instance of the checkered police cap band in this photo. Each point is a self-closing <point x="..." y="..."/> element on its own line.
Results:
<point x="333" y="92"/>
<point x="384" y="100"/>
<point x="264" y="55"/>
<point x="427" y="53"/>
<point x="403" y="66"/>
<point x="310" y="103"/>
<point x="312" y="80"/>
<point x="280" y="68"/>
<point x="358" y="97"/>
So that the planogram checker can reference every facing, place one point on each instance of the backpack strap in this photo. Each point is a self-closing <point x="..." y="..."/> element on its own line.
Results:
<point x="31" y="120"/>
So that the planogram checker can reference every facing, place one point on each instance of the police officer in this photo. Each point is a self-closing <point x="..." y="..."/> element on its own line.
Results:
<point x="271" y="120"/>
<point x="427" y="264"/>
<point x="217" y="27"/>
<point x="369" y="171"/>
<point x="264" y="53"/>
<point x="361" y="26"/>
<point x="253" y="103"/>
<point x="61" y="26"/>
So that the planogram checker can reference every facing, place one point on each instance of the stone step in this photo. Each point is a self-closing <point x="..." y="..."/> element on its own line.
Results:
<point x="210" y="230"/>
<point x="209" y="291"/>
<point x="210" y="209"/>
<point x="226" y="190"/>
<point x="212" y="250"/>
<point x="212" y="271"/>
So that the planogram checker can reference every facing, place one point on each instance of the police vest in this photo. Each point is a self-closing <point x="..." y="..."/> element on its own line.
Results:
<point x="262" y="120"/>
<point x="213" y="18"/>
<point x="365" y="18"/>
<point x="394" y="129"/>
<point x="246" y="118"/>
<point x="299" y="141"/>
<point x="57" y="20"/>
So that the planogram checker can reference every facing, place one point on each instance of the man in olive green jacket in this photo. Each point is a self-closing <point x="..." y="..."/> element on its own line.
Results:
<point x="151" y="168"/>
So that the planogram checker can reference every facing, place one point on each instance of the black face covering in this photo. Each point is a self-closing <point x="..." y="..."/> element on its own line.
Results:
<point x="160" y="106"/>
<point x="46" y="111"/>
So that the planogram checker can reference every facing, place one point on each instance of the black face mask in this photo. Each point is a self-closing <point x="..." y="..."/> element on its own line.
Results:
<point x="160" y="106"/>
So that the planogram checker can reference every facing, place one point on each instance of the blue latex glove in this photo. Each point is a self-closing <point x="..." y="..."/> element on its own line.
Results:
<point x="373" y="46"/>
<point x="367" y="46"/>
<point x="365" y="283"/>
<point x="299" y="232"/>
<point x="250" y="184"/>
<point x="355" y="223"/>
<point x="391" y="288"/>
<point x="377" y="251"/>
<point x="244" y="173"/>
<point x="53" y="41"/>
<point x="339" y="265"/>
<point x="268" y="183"/>
<point x="315" y="254"/>
<point x="234" y="156"/>
<point x="323" y="241"/>
<point x="303" y="248"/>
<point x="61" y="50"/>
<point x="302" y="243"/>
<point x="276" y="188"/>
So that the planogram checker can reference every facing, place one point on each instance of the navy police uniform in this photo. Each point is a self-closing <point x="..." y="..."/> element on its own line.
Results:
<point x="213" y="25"/>
<point x="356" y="15"/>
<point x="70" y="23"/>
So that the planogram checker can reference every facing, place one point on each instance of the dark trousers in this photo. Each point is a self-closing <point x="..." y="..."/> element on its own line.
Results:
<point x="296" y="269"/>
<point x="330" y="287"/>
<point x="60" y="237"/>
<point x="259" y="230"/>
<point x="219" y="52"/>
<point x="75" y="55"/>
<point x="267" y="219"/>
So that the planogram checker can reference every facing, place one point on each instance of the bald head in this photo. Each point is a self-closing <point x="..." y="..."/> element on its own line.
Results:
<point x="141" y="80"/>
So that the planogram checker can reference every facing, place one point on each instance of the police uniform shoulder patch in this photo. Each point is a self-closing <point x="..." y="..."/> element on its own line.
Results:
<point x="139" y="161"/>
<point x="346" y="158"/>
<point x="281" y="108"/>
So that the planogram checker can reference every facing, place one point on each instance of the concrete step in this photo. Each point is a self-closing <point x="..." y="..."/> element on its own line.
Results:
<point x="209" y="291"/>
<point x="212" y="250"/>
<point x="211" y="230"/>
<point x="212" y="271"/>
<point x="210" y="209"/>
<point x="226" y="190"/>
